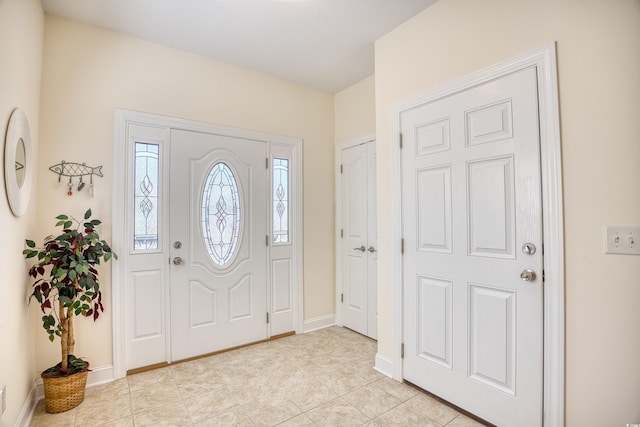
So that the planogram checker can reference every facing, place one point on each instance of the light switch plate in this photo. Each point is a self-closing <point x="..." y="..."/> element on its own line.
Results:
<point x="622" y="239"/>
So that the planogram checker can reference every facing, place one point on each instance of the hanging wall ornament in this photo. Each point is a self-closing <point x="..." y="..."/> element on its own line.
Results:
<point x="80" y="170"/>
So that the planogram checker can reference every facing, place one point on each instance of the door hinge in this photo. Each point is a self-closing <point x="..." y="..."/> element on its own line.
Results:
<point x="402" y="246"/>
<point x="400" y="140"/>
<point x="341" y="297"/>
<point x="341" y="232"/>
<point x="266" y="240"/>
<point x="543" y="277"/>
<point x="340" y="168"/>
<point x="402" y="350"/>
<point x="267" y="317"/>
<point x="266" y="163"/>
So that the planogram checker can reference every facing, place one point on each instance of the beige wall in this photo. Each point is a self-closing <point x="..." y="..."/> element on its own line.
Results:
<point x="355" y="111"/>
<point x="21" y="30"/>
<point x="87" y="72"/>
<point x="598" y="46"/>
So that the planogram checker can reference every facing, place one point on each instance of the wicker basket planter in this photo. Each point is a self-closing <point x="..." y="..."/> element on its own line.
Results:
<point x="64" y="393"/>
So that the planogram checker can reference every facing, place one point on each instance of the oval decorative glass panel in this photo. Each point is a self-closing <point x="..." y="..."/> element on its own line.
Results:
<point x="221" y="214"/>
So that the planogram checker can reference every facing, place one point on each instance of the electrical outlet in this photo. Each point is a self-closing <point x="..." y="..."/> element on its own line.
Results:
<point x="3" y="398"/>
<point x="622" y="239"/>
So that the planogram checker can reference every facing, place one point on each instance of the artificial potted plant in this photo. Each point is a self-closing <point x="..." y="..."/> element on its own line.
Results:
<point x="66" y="285"/>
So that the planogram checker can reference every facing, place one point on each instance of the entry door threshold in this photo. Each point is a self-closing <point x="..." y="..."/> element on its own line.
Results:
<point x="202" y="356"/>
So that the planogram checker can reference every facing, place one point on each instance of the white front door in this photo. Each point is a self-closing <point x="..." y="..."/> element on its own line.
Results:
<point x="471" y="203"/>
<point x="226" y="287"/>
<point x="218" y="255"/>
<point x="359" y="240"/>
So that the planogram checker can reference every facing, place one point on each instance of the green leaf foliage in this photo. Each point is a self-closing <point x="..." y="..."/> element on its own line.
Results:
<point x="65" y="300"/>
<point x="29" y="253"/>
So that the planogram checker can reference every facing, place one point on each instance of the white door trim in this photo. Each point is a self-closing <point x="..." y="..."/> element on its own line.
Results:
<point x="552" y="216"/>
<point x="122" y="119"/>
<point x="338" y="214"/>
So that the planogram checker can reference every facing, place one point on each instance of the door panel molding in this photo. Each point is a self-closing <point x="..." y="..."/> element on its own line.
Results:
<point x="433" y="344"/>
<point x="544" y="59"/>
<point x="291" y="148"/>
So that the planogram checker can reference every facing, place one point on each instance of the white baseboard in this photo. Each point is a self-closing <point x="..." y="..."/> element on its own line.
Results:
<point x="384" y="365"/>
<point x="28" y="408"/>
<point x="100" y="375"/>
<point x="319" y="323"/>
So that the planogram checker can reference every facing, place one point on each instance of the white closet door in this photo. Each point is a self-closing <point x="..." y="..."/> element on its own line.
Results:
<point x="359" y="239"/>
<point x="473" y="328"/>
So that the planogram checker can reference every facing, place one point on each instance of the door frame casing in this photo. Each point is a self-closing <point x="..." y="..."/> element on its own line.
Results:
<point x="364" y="139"/>
<point x="122" y="119"/>
<point x="544" y="59"/>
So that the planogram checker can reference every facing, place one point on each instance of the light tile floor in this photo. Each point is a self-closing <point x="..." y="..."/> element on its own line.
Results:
<point x="323" y="378"/>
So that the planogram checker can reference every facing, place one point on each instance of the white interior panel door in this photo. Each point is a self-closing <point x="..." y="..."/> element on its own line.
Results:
<point x="354" y="241"/>
<point x="218" y="225"/>
<point x="359" y="241"/>
<point x="473" y="328"/>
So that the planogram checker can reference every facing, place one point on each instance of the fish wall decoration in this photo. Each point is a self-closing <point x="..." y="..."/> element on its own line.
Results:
<point x="72" y="169"/>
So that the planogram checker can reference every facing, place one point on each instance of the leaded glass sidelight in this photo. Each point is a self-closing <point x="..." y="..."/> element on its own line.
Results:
<point x="146" y="196"/>
<point x="221" y="214"/>
<point x="280" y="200"/>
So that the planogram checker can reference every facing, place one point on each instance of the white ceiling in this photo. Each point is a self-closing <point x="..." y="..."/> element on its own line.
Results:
<point x="326" y="44"/>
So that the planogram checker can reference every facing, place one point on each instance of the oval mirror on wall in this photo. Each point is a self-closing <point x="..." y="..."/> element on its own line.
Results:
<point x="18" y="164"/>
